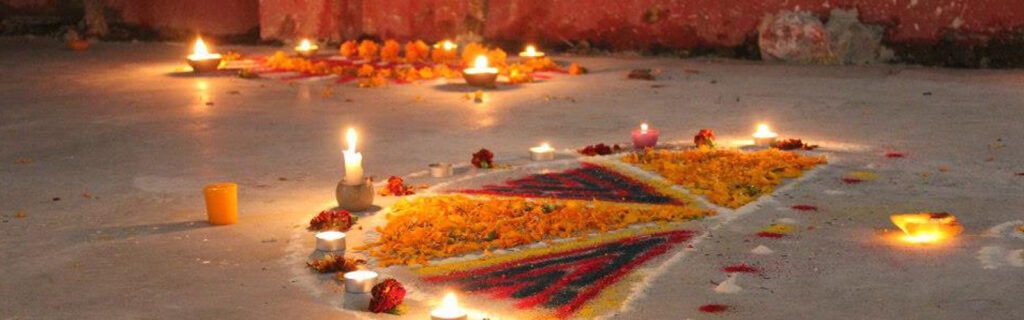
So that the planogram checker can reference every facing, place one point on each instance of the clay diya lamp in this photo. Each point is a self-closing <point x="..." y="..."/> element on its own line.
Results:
<point x="480" y="75"/>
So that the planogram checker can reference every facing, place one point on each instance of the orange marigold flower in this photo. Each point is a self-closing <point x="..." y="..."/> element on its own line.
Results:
<point x="349" y="49"/>
<point x="416" y="51"/>
<point x="390" y="51"/>
<point x="368" y="49"/>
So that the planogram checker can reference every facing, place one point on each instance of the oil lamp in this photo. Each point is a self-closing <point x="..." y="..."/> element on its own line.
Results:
<point x="201" y="59"/>
<point x="927" y="227"/>
<point x="480" y="75"/>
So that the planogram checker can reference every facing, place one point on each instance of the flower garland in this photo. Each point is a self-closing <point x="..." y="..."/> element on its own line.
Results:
<point x="726" y="177"/>
<point x="450" y="225"/>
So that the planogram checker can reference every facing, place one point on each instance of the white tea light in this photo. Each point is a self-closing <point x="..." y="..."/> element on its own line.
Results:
<point x="330" y="241"/>
<point x="449" y="309"/>
<point x="440" y="169"/>
<point x="544" y="152"/>
<point x="360" y="281"/>
<point x="763" y="136"/>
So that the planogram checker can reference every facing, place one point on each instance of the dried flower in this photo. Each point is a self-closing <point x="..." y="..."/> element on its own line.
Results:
<point x="396" y="187"/>
<point x="335" y="263"/>
<point x="333" y="219"/>
<point x="600" y="149"/>
<point x="792" y="144"/>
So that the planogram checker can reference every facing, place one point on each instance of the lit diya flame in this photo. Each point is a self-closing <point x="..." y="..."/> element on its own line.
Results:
<point x="643" y="128"/>
<point x="200" y="52"/>
<point x="927" y="227"/>
<point x="531" y="52"/>
<point x="763" y="135"/>
<point x="305" y="45"/>
<point x="480" y="66"/>
<point x="448" y="45"/>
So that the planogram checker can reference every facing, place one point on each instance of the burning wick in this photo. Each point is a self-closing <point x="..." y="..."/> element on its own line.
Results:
<point x="449" y="309"/>
<point x="200" y="52"/>
<point x="531" y="52"/>
<point x="927" y="227"/>
<point x="764" y="136"/>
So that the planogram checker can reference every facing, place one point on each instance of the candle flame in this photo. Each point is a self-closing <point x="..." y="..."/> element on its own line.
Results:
<point x="449" y="308"/>
<point x="643" y="127"/>
<point x="481" y="62"/>
<point x="448" y="45"/>
<point x="200" y="52"/>
<point x="200" y="47"/>
<point x="545" y="146"/>
<point x="305" y="45"/>
<point x="764" y="132"/>
<point x="350" y="137"/>
<point x="926" y="227"/>
<point x="530" y="50"/>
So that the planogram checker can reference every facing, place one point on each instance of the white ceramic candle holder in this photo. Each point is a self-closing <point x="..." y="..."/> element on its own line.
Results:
<point x="542" y="154"/>
<point x="440" y="169"/>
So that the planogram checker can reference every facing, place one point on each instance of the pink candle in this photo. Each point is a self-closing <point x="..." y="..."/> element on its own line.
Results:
<point x="645" y="137"/>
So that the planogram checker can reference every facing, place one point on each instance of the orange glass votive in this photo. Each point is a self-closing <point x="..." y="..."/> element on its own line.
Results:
<point x="221" y="203"/>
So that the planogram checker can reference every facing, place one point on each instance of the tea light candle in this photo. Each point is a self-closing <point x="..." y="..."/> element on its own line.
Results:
<point x="201" y="59"/>
<point x="360" y="281"/>
<point x="330" y="241"/>
<point x="544" y="152"/>
<point x="763" y="136"/>
<point x="306" y="49"/>
<point x="480" y="75"/>
<point x="440" y="169"/>
<point x="645" y="137"/>
<point x="531" y="52"/>
<point x="353" y="161"/>
<point x="221" y="203"/>
<point x="449" y="309"/>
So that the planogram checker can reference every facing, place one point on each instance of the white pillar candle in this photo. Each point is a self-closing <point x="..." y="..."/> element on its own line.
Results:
<point x="330" y="241"/>
<point x="360" y="281"/>
<point x="353" y="161"/>
<point x="449" y="309"/>
<point x="544" y="152"/>
<point x="763" y="136"/>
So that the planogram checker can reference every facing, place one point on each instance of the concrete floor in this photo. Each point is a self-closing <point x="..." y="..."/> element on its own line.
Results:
<point x="116" y="123"/>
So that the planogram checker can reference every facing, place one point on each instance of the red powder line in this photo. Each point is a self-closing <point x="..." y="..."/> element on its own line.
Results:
<point x="773" y="235"/>
<point x="804" y="207"/>
<point x="714" y="308"/>
<point x="739" y="268"/>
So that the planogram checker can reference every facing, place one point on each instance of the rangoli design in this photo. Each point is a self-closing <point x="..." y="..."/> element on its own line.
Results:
<point x="590" y="182"/>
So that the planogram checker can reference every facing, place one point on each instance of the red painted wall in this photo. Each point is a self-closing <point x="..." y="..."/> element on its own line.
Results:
<point x="623" y="24"/>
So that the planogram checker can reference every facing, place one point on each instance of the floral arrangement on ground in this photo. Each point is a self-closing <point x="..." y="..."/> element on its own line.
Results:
<point x="727" y="178"/>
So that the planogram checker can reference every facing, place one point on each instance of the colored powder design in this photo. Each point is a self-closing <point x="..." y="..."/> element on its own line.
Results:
<point x="563" y="281"/>
<point x="590" y="182"/>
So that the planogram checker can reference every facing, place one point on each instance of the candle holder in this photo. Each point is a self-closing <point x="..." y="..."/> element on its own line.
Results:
<point x="360" y="281"/>
<point x="355" y="197"/>
<point x="204" y="65"/>
<point x="440" y="169"/>
<point x="482" y="79"/>
<point x="307" y="53"/>
<point x="330" y="241"/>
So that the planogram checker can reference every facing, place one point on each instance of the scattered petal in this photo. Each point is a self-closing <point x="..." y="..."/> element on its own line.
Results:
<point x="804" y="207"/>
<point x="739" y="268"/>
<point x="21" y="215"/>
<point x="773" y="235"/>
<point x="895" y="155"/>
<point x="714" y="308"/>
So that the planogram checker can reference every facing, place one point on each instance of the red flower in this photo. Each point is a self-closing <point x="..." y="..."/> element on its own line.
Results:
<point x="483" y="159"/>
<point x="792" y="144"/>
<point x="332" y="219"/>
<point x="396" y="187"/>
<point x="386" y="296"/>
<point x="705" y="137"/>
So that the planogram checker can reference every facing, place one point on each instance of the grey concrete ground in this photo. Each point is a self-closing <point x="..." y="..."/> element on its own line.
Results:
<point x="117" y="124"/>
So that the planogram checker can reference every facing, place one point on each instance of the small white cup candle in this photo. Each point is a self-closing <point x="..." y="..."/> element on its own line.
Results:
<point x="544" y="152"/>
<point x="763" y="136"/>
<point x="360" y="281"/>
<point x="353" y="161"/>
<point x="480" y="66"/>
<point x="330" y="241"/>
<point x="449" y="309"/>
<point x="440" y="169"/>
